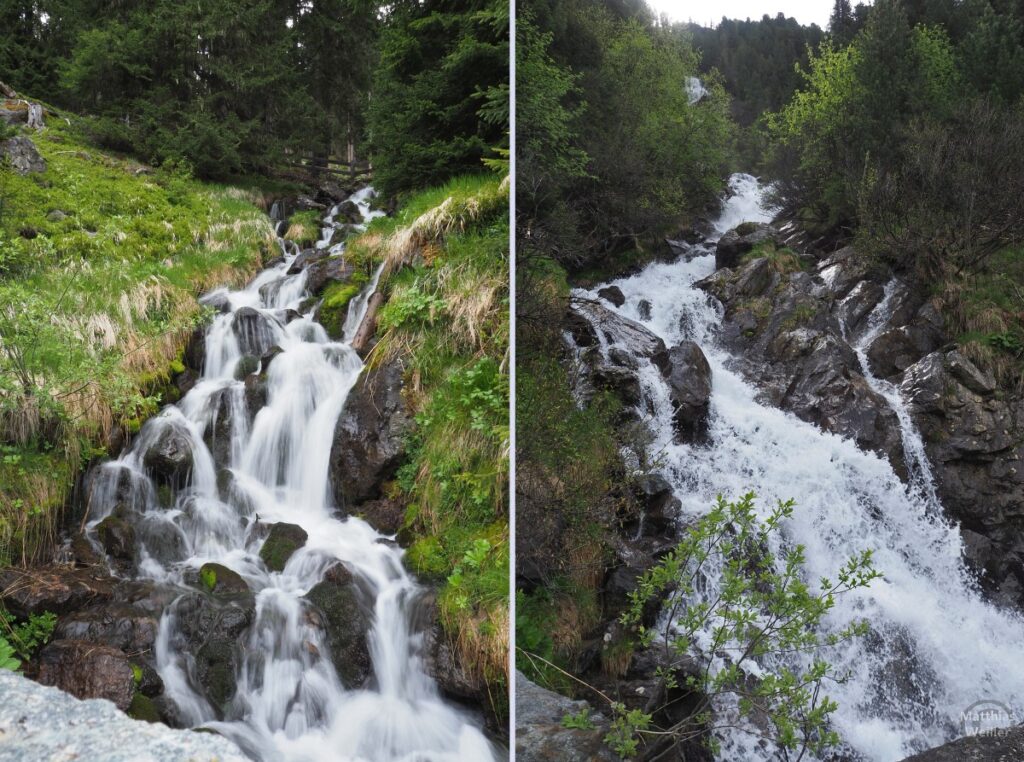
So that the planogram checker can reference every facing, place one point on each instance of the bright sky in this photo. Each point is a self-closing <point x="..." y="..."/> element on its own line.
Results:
<point x="702" y="12"/>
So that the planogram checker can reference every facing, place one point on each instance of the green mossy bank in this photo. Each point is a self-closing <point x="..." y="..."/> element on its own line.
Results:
<point x="101" y="261"/>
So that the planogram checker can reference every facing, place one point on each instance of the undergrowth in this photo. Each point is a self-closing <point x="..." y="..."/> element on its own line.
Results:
<point x="447" y="318"/>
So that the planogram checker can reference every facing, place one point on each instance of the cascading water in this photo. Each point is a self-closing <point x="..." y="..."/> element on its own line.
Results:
<point x="290" y="703"/>
<point x="935" y="647"/>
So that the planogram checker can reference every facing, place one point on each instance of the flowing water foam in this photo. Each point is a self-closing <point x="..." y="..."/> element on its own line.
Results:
<point x="935" y="647"/>
<point x="290" y="704"/>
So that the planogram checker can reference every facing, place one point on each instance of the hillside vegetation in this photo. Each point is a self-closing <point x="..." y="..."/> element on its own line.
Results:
<point x="447" y="314"/>
<point x="101" y="260"/>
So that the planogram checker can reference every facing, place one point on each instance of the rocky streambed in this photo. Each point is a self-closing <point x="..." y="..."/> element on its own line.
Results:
<point x="751" y="361"/>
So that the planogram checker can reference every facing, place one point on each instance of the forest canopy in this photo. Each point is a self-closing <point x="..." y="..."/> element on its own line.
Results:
<point x="241" y="86"/>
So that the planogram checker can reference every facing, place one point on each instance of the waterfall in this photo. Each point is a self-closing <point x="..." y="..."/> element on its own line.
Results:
<point x="935" y="646"/>
<point x="290" y="703"/>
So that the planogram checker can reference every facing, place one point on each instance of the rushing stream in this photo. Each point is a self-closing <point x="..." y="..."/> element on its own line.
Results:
<point x="935" y="647"/>
<point x="290" y="703"/>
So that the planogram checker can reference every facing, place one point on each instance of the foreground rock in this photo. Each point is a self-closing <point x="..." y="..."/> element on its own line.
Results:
<point x="39" y="722"/>
<point x="689" y="383"/>
<point x="369" y="436"/>
<point x="1005" y="746"/>
<point x="540" y="735"/>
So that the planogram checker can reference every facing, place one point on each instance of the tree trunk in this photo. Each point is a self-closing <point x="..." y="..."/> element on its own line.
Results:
<point x="366" y="330"/>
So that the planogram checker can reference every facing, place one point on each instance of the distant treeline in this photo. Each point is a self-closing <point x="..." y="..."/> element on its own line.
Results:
<point x="233" y="86"/>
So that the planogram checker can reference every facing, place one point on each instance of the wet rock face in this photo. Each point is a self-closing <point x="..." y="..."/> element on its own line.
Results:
<point x="973" y="438"/>
<point x="587" y="319"/>
<point x="169" y="459"/>
<point x="254" y="331"/>
<point x="791" y="345"/>
<point x="369" y="436"/>
<point x="87" y="670"/>
<point x="689" y="383"/>
<point x="339" y="612"/>
<point x="116" y="624"/>
<point x="212" y="632"/>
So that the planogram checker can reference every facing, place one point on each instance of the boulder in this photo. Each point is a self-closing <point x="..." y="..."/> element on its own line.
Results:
<point x="617" y="330"/>
<point x="169" y="458"/>
<point x="305" y="259"/>
<point x="117" y="538"/>
<point x="116" y="624"/>
<point x="281" y="544"/>
<point x="13" y="111"/>
<point x="194" y="356"/>
<point x="22" y="156"/>
<point x="660" y="505"/>
<point x="620" y="381"/>
<point x="217" y="300"/>
<point x="741" y="240"/>
<point x="612" y="294"/>
<point x="900" y="346"/>
<point x="541" y="736"/>
<point x="212" y="630"/>
<point x="324" y="271"/>
<point x="43" y="723"/>
<point x="689" y="383"/>
<point x="87" y="670"/>
<point x="221" y="580"/>
<point x="246" y="365"/>
<point x="341" y="615"/>
<point x="369" y="436"/>
<point x="256" y="333"/>
<point x="643" y="308"/>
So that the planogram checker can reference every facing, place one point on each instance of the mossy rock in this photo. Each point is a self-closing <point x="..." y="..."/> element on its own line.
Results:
<point x="219" y="579"/>
<point x="746" y="228"/>
<point x="247" y="365"/>
<point x="281" y="544"/>
<point x="345" y="624"/>
<point x="143" y="708"/>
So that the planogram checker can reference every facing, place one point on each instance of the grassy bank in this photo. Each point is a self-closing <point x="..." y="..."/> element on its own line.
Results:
<point x="447" y="316"/>
<point x="101" y="260"/>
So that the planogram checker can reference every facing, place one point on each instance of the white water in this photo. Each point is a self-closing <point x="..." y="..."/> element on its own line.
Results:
<point x="290" y="704"/>
<point x="936" y="647"/>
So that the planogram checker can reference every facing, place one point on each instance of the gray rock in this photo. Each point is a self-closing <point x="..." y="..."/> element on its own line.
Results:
<point x="369" y="436"/>
<point x="22" y="156"/>
<point x="540" y="735"/>
<point x="689" y="383"/>
<point x="39" y="722"/>
<point x="116" y="624"/>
